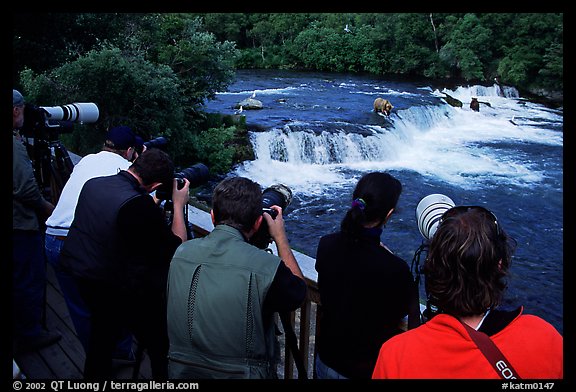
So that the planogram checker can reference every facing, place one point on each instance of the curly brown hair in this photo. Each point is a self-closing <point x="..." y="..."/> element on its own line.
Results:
<point x="468" y="261"/>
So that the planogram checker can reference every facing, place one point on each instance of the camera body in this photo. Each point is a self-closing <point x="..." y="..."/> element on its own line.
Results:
<point x="279" y="195"/>
<point x="197" y="174"/>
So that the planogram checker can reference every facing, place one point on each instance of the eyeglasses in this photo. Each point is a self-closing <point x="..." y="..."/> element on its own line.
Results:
<point x="455" y="211"/>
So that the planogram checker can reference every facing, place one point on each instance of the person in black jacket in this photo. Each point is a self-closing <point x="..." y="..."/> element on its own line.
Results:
<point x="119" y="249"/>
<point x="365" y="290"/>
<point x="29" y="208"/>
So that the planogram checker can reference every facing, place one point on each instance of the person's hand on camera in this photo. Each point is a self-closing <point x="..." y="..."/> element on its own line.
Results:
<point x="181" y="196"/>
<point x="275" y="225"/>
<point x="278" y="233"/>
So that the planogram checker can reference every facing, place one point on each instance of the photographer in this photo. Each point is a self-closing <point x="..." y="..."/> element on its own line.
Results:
<point x="223" y="291"/>
<point x="118" y="249"/>
<point x="465" y="271"/>
<point x="29" y="209"/>
<point x="118" y="151"/>
<point x="364" y="287"/>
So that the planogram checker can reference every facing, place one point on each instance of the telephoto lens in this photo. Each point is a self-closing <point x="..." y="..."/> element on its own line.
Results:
<point x="429" y="211"/>
<point x="197" y="174"/>
<point x="83" y="112"/>
<point x="159" y="142"/>
<point x="276" y="195"/>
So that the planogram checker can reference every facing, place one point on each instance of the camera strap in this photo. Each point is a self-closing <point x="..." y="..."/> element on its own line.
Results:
<point x="492" y="353"/>
<point x="414" y="316"/>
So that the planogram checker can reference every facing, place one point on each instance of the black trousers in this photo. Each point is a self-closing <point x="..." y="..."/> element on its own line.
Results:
<point x="142" y="311"/>
<point x="106" y="319"/>
<point x="147" y="321"/>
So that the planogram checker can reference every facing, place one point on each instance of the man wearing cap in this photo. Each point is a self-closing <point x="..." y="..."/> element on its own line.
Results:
<point x="118" y="151"/>
<point x="29" y="208"/>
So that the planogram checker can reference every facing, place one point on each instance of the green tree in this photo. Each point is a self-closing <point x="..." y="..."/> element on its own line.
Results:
<point x="204" y="65"/>
<point x="534" y="36"/>
<point x="144" y="96"/>
<point x="468" y="48"/>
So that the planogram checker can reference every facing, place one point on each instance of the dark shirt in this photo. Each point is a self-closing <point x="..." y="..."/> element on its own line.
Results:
<point x="364" y="294"/>
<point x="286" y="293"/>
<point x="148" y="244"/>
<point x="119" y="234"/>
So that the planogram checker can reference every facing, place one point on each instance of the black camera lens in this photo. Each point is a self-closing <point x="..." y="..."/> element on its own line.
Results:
<point x="159" y="142"/>
<point x="276" y="195"/>
<point x="197" y="174"/>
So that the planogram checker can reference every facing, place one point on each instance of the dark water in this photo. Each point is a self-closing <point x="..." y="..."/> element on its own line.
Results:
<point x="317" y="134"/>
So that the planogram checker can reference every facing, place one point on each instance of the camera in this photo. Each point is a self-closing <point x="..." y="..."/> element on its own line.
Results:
<point x="82" y="112"/>
<point x="429" y="211"/>
<point x="276" y="195"/>
<point x="50" y="159"/>
<point x="46" y="122"/>
<point x="197" y="174"/>
<point x="159" y="142"/>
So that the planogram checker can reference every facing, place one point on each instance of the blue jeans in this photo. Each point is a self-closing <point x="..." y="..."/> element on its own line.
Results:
<point x="29" y="283"/>
<point x="78" y="310"/>
<point x="325" y="372"/>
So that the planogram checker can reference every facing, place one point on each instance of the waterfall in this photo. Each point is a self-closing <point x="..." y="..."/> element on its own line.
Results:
<point x="344" y="143"/>
<point x="326" y="143"/>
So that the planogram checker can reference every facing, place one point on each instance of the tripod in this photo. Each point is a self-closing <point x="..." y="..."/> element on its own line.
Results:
<point x="52" y="166"/>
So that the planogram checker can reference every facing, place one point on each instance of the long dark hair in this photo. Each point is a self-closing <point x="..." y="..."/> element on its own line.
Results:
<point x="376" y="193"/>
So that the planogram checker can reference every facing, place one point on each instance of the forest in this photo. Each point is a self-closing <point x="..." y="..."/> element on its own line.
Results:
<point x="154" y="71"/>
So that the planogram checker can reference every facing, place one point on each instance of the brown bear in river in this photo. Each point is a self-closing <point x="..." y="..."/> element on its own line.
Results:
<point x="383" y="106"/>
<point x="475" y="105"/>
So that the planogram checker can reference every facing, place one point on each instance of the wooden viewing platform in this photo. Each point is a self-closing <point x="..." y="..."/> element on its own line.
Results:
<point x="65" y="359"/>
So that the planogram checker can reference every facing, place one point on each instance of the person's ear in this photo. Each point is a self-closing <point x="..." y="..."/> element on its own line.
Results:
<point x="388" y="215"/>
<point x="212" y="216"/>
<point x="257" y="223"/>
<point x="152" y="187"/>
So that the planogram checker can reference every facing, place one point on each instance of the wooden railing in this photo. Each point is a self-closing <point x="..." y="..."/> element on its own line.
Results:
<point x="304" y="320"/>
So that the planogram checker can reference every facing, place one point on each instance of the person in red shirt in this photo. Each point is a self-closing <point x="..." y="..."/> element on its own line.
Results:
<point x="465" y="278"/>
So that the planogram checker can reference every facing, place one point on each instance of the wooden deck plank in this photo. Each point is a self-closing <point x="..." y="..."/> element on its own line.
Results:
<point x="65" y="359"/>
<point x="33" y="366"/>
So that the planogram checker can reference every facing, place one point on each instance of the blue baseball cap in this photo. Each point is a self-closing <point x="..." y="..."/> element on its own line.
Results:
<point x="17" y="98"/>
<point x="139" y="142"/>
<point x="121" y="138"/>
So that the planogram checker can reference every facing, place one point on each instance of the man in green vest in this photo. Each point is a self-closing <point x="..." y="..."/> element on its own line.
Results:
<point x="223" y="291"/>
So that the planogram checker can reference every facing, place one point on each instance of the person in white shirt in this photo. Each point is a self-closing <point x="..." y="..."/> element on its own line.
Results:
<point x="118" y="153"/>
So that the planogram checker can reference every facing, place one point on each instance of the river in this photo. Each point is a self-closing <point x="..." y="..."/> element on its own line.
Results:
<point x="317" y="134"/>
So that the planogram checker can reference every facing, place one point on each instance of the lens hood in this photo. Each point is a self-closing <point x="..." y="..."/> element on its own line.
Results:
<point x="429" y="211"/>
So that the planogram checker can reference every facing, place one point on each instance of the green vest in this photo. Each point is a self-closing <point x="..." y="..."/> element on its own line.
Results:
<point x="216" y="288"/>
